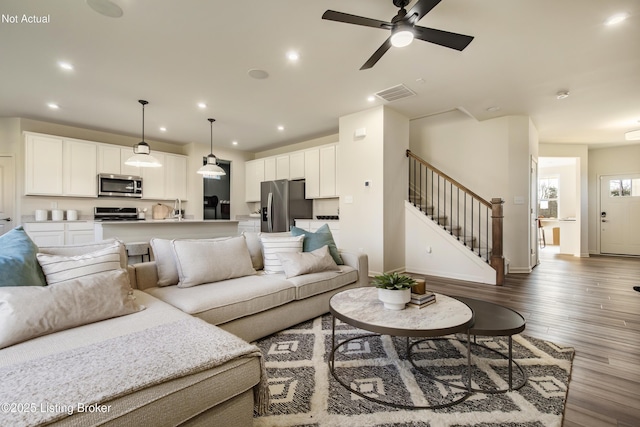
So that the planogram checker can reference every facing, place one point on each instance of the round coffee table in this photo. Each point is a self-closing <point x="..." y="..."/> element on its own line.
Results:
<point x="495" y="320"/>
<point x="361" y="308"/>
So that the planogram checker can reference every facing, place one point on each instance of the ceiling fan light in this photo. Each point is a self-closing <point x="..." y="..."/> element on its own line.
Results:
<point x="402" y="37"/>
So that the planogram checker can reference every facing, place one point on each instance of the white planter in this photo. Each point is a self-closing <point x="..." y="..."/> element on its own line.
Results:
<point x="394" y="299"/>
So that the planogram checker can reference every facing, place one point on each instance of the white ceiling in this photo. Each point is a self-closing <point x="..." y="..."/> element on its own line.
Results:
<point x="177" y="53"/>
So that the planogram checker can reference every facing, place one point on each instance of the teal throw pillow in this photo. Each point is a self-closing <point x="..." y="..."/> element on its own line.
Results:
<point x="315" y="240"/>
<point x="18" y="262"/>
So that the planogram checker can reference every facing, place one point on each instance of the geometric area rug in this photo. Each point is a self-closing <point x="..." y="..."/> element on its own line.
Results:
<point x="304" y="393"/>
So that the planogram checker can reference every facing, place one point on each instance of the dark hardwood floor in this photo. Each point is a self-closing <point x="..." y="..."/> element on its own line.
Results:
<point x="588" y="304"/>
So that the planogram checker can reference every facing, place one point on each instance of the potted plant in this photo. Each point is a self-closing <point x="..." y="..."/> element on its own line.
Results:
<point x="394" y="290"/>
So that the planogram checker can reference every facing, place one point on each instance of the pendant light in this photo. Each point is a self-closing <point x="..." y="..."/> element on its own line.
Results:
<point x="211" y="168"/>
<point x="141" y="157"/>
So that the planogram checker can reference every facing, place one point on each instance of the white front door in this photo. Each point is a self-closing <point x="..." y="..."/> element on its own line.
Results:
<point x="7" y="194"/>
<point x="620" y="214"/>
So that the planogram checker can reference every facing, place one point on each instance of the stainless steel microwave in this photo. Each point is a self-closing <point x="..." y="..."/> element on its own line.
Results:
<point x="119" y="186"/>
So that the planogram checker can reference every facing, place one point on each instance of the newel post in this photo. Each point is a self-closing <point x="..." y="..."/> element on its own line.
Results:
<point x="497" y="258"/>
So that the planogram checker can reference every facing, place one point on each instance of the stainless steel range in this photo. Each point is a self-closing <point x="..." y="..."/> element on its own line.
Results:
<point x="116" y="214"/>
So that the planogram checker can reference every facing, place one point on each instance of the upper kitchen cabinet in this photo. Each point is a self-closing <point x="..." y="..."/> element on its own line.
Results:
<point x="169" y="181"/>
<point x="59" y="167"/>
<point x="43" y="165"/>
<point x="296" y="165"/>
<point x="254" y="175"/>
<point x="270" y="173"/>
<point x="320" y="172"/>
<point x="282" y="167"/>
<point x="175" y="177"/>
<point x="111" y="160"/>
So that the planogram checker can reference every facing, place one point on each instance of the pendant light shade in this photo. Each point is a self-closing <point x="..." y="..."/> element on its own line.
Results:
<point x="141" y="151"/>
<point x="211" y="169"/>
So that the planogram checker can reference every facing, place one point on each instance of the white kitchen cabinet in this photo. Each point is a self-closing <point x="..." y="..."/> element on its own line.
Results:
<point x="59" y="167"/>
<point x="77" y="233"/>
<point x="60" y="233"/>
<point x="296" y="165"/>
<point x="153" y="179"/>
<point x="79" y="169"/>
<point x="328" y="171"/>
<point x="249" y="225"/>
<point x="269" y="169"/>
<point x="282" y="167"/>
<point x="175" y="177"/>
<point x="254" y="175"/>
<point x="109" y="159"/>
<point x="312" y="173"/>
<point x="43" y="165"/>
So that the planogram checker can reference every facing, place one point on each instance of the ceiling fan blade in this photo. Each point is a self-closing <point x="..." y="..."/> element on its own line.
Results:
<point x="332" y="15"/>
<point x="443" y="38"/>
<point x="421" y="8"/>
<point x="377" y="55"/>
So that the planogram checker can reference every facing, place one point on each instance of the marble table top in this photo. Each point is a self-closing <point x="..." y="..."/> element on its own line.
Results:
<point x="361" y="307"/>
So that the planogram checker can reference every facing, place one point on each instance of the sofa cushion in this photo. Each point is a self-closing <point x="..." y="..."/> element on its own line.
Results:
<point x="84" y="248"/>
<point x="205" y="261"/>
<point x="18" y="263"/>
<point x="272" y="245"/>
<point x="222" y="302"/>
<point x="31" y="311"/>
<point x="311" y="284"/>
<point x="255" y="248"/>
<point x="58" y="269"/>
<point x="321" y="237"/>
<point x="296" y="264"/>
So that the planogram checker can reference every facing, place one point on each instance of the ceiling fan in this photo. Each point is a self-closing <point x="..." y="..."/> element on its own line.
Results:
<point x="403" y="28"/>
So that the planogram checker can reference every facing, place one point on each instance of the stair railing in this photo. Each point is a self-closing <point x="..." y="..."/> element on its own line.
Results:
<point x="460" y="211"/>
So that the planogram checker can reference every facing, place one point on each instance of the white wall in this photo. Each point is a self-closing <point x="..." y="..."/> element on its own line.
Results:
<point x="371" y="217"/>
<point x="606" y="161"/>
<point x="581" y="153"/>
<point x="491" y="158"/>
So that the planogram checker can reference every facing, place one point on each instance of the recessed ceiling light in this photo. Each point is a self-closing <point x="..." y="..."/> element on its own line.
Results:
<point x="53" y="106"/>
<point x="616" y="19"/>
<point x="371" y="98"/>
<point x="202" y="105"/>
<point x="293" y="56"/>
<point x="65" y="65"/>
<point x="281" y="128"/>
<point x="493" y="109"/>
<point x="563" y="94"/>
<point x="234" y="143"/>
<point x="257" y="74"/>
<point x="163" y="129"/>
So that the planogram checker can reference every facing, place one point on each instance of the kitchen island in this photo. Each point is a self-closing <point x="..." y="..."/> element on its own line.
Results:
<point x="144" y="230"/>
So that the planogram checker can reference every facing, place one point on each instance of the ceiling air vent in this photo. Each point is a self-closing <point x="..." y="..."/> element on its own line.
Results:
<point x="395" y="93"/>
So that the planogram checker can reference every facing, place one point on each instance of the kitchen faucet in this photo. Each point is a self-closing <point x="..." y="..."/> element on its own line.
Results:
<point x="177" y="209"/>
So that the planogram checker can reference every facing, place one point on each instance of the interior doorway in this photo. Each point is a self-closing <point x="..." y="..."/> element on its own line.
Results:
<point x="619" y="213"/>
<point x="533" y="220"/>
<point x="7" y="194"/>
<point x="217" y="194"/>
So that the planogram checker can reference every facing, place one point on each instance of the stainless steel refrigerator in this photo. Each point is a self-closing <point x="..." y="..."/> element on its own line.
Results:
<point x="282" y="201"/>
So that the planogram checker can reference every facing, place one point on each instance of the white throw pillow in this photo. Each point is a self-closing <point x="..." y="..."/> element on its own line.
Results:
<point x="84" y="248"/>
<point x="206" y="261"/>
<point x="58" y="269"/>
<point x="31" y="311"/>
<point x="297" y="264"/>
<point x="271" y="246"/>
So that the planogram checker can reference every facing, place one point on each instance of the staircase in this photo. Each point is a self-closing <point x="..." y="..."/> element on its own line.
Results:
<point x="468" y="218"/>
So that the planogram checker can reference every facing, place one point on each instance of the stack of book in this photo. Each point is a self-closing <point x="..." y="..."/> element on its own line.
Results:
<point x="422" y="300"/>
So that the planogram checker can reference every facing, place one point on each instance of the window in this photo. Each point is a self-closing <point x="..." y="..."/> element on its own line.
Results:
<point x="624" y="187"/>
<point x="548" y="197"/>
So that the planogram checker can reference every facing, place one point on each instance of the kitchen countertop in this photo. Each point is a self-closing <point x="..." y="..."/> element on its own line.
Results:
<point x="169" y="221"/>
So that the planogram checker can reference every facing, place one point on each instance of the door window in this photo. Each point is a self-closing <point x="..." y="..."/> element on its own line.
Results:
<point x="625" y="187"/>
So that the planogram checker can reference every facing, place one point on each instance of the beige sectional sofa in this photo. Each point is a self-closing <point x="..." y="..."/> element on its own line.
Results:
<point x="177" y="324"/>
